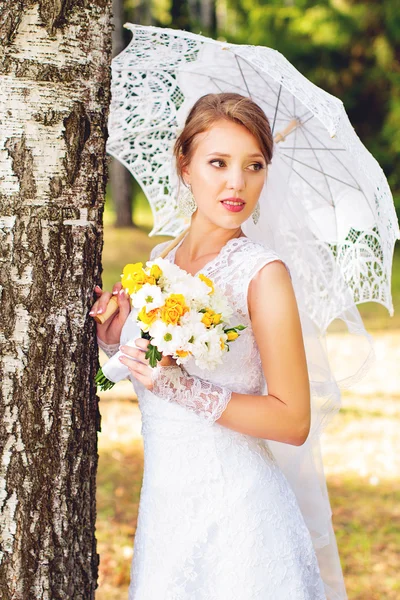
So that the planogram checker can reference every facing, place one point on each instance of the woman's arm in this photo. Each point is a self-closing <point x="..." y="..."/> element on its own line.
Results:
<point x="282" y="415"/>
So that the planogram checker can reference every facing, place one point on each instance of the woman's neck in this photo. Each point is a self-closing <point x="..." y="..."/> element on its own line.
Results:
<point x="202" y="242"/>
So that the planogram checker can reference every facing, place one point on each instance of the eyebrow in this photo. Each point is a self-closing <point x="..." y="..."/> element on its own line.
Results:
<point x="255" y="154"/>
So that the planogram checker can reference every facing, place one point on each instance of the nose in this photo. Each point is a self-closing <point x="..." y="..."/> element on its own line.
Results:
<point x="235" y="179"/>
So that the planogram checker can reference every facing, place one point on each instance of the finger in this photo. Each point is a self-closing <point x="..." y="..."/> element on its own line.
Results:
<point x="103" y="301"/>
<point x="124" y="303"/>
<point x="142" y="343"/>
<point x="134" y="354"/>
<point x="116" y="288"/>
<point x="97" y="290"/>
<point x="93" y="310"/>
<point x="134" y="365"/>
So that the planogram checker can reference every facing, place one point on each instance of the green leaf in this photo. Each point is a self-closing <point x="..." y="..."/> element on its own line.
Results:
<point x="102" y="382"/>
<point x="153" y="354"/>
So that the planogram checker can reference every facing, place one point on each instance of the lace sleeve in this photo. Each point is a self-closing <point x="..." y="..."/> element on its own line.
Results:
<point x="206" y="399"/>
<point x="108" y="349"/>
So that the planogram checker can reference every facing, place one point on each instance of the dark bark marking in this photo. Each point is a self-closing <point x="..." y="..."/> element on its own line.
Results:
<point x="10" y="18"/>
<point x="77" y="131"/>
<point x="56" y="186"/>
<point x="22" y="164"/>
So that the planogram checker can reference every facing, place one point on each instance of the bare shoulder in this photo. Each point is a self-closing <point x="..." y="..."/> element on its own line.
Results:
<point x="271" y="288"/>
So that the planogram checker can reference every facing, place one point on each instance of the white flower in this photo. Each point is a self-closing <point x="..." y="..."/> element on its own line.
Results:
<point x="149" y="296"/>
<point x="169" y="338"/>
<point x="171" y="273"/>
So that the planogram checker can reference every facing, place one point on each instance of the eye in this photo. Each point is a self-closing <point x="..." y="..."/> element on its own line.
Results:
<point x="258" y="166"/>
<point x="218" y="160"/>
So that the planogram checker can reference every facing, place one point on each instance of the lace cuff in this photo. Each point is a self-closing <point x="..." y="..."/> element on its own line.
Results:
<point x="109" y="349"/>
<point x="206" y="399"/>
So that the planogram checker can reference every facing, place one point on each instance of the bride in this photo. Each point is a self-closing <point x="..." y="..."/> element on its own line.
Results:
<point x="218" y="519"/>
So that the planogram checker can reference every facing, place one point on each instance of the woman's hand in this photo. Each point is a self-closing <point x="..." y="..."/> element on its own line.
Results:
<point x="110" y="331"/>
<point x="138" y="365"/>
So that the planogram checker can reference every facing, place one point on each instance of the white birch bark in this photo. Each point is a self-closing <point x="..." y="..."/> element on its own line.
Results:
<point x="54" y="97"/>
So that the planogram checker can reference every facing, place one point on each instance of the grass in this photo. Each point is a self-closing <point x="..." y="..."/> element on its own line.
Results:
<point x="367" y="526"/>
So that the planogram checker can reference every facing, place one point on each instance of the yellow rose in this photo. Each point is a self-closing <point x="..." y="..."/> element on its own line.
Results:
<point x="232" y="335"/>
<point x="155" y="272"/>
<point x="222" y="343"/>
<point x="173" y="309"/>
<point x="208" y="318"/>
<point x="208" y="282"/>
<point x="151" y="280"/>
<point x="133" y="277"/>
<point x="216" y="318"/>
<point x="132" y="268"/>
<point x="148" y="317"/>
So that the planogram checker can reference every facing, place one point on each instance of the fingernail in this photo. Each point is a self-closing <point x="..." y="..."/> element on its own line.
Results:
<point x="121" y="292"/>
<point x="91" y="312"/>
<point x="100" y="310"/>
<point x="122" y="348"/>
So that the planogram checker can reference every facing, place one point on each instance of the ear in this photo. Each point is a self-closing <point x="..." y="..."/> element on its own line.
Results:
<point x="185" y="170"/>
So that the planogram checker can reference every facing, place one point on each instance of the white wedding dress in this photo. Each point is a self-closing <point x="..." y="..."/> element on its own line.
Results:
<point x="217" y="519"/>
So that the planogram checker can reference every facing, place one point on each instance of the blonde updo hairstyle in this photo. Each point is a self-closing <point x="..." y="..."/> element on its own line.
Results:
<point x="211" y="108"/>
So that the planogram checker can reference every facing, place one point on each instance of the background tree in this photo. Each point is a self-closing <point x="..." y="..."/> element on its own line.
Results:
<point x="54" y="98"/>
<point x="121" y="180"/>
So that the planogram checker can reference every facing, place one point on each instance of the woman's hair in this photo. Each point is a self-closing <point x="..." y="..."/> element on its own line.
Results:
<point x="211" y="108"/>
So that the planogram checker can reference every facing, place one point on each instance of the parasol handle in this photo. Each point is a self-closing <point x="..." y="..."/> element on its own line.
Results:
<point x="281" y="136"/>
<point x="173" y="243"/>
<point x="112" y="305"/>
<point x="111" y="308"/>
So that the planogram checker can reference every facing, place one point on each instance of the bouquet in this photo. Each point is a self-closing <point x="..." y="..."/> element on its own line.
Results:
<point x="182" y="315"/>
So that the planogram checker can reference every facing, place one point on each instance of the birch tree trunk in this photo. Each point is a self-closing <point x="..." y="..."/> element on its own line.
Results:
<point x="54" y="98"/>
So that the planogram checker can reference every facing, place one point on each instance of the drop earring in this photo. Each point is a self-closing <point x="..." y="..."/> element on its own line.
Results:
<point x="256" y="213"/>
<point x="186" y="202"/>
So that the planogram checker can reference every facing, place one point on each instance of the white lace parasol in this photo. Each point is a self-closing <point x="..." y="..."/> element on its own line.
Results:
<point x="337" y="183"/>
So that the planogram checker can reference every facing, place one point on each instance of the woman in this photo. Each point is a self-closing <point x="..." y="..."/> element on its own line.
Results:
<point x="217" y="517"/>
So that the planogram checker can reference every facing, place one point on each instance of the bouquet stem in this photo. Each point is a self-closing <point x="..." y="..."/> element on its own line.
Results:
<point x="153" y="354"/>
<point x="102" y="382"/>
